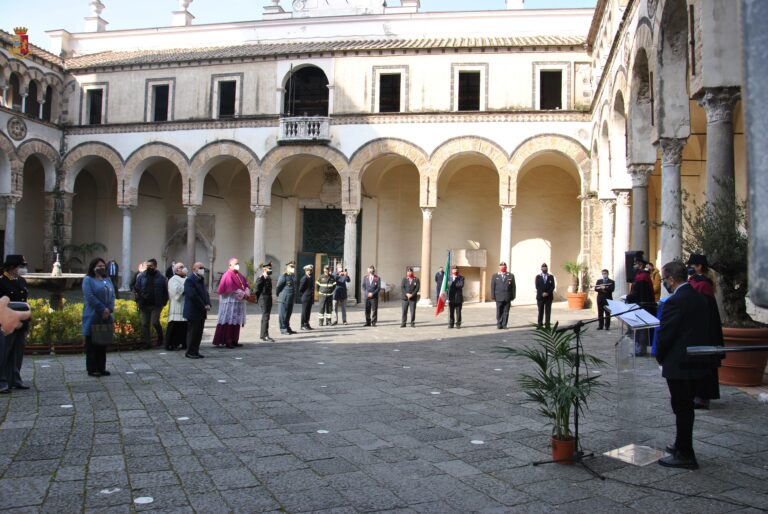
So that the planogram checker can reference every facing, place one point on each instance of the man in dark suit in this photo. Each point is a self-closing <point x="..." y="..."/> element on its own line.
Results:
<point x="371" y="288"/>
<point x="286" y="291"/>
<point x="604" y="288"/>
<point x="113" y="271"/>
<point x="685" y="322"/>
<point x="439" y="281"/>
<point x="503" y="291"/>
<point x="410" y="294"/>
<point x="197" y="303"/>
<point x="263" y="293"/>
<point x="307" y="294"/>
<point x="455" y="297"/>
<point x="545" y="288"/>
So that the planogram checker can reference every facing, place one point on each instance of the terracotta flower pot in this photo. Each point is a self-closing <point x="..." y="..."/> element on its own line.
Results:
<point x="743" y="368"/>
<point x="563" y="450"/>
<point x="576" y="300"/>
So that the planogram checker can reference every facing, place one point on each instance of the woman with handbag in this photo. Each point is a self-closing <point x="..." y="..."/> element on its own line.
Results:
<point x="98" y="324"/>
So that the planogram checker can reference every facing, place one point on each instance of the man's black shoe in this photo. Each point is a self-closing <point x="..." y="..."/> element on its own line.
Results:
<point x="676" y="461"/>
<point x="5" y="390"/>
<point x="303" y="328"/>
<point x="94" y="374"/>
<point x="402" y="325"/>
<point x="290" y="331"/>
<point x="450" y="326"/>
<point x="190" y="356"/>
<point x="373" y="324"/>
<point x="413" y="324"/>
<point x="22" y="386"/>
<point x="671" y="449"/>
<point x="309" y="328"/>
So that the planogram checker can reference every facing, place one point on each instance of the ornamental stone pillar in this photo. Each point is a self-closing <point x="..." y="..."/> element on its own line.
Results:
<point x="640" y="174"/>
<point x="350" y="252"/>
<point x="718" y="103"/>
<point x="621" y="241"/>
<point x="10" y="224"/>
<point x="259" y="236"/>
<point x="506" y="235"/>
<point x="671" y="203"/>
<point x="426" y="256"/>
<point x="191" y="233"/>
<point x="127" y="265"/>
<point x="608" y="208"/>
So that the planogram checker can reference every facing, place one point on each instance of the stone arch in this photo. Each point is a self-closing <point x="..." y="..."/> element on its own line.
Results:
<point x="386" y="146"/>
<point x="618" y="136"/>
<point x="619" y="85"/>
<point x="77" y="157"/>
<point x="639" y="114"/>
<point x="211" y="154"/>
<point x="672" y="110"/>
<point x="148" y="154"/>
<point x="563" y="145"/>
<point x="272" y="163"/>
<point x="10" y="166"/>
<point x="47" y="155"/>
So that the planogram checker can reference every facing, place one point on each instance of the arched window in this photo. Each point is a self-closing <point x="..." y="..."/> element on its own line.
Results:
<point x="32" y="108"/>
<point x="306" y="93"/>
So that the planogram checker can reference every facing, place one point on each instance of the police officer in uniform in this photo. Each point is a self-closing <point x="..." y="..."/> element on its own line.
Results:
<point x="263" y="293"/>
<point x="503" y="291"/>
<point x="14" y="286"/>
<point x="307" y="293"/>
<point x="286" y="291"/>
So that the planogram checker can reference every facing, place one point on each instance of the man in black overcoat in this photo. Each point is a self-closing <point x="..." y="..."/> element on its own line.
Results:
<point x="455" y="297"/>
<point x="503" y="292"/>
<point x="307" y="294"/>
<point x="604" y="288"/>
<point x="545" y="288"/>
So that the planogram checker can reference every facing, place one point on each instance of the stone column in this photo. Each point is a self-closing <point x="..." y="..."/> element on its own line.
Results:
<point x="10" y="224"/>
<point x="259" y="235"/>
<point x="621" y="241"/>
<point x="426" y="256"/>
<point x="40" y="110"/>
<point x="350" y="252"/>
<point x="127" y="265"/>
<point x="23" y="104"/>
<point x="57" y="231"/>
<point x="671" y="203"/>
<point x="609" y="207"/>
<point x="506" y="235"/>
<point x="191" y="233"/>
<point x="718" y="103"/>
<point x="640" y="174"/>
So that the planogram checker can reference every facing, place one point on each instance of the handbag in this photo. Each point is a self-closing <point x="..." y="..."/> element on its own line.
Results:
<point x="102" y="334"/>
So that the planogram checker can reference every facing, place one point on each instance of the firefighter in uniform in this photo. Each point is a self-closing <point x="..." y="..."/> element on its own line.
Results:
<point x="326" y="283"/>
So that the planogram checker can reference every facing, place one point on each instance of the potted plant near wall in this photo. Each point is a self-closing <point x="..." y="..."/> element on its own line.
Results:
<point x="718" y="230"/>
<point x="553" y="385"/>
<point x="576" y="298"/>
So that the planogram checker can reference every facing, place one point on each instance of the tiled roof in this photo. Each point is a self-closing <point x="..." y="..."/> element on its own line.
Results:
<point x="178" y="55"/>
<point x="7" y="37"/>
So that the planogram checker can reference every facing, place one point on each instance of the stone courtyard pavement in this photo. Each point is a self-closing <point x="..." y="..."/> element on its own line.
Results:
<point x="349" y="419"/>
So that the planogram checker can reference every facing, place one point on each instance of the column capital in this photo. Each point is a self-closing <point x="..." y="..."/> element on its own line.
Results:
<point x="622" y="197"/>
<point x="126" y="207"/>
<point x="260" y="211"/>
<point x="192" y="209"/>
<point x="350" y="215"/>
<point x="426" y="212"/>
<point x="640" y="173"/>
<point x="11" y="200"/>
<point x="718" y="103"/>
<point x="506" y="209"/>
<point x="672" y="150"/>
<point x="608" y="204"/>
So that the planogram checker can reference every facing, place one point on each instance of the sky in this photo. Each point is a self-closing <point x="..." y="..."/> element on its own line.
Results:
<point x="41" y="15"/>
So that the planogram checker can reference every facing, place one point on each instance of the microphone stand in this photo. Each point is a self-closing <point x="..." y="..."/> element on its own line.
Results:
<point x="579" y="455"/>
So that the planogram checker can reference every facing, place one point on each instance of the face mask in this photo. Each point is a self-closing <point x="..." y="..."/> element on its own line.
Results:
<point x="503" y="269"/>
<point x="22" y="271"/>
<point x="201" y="272"/>
<point x="455" y="272"/>
<point x="668" y="287"/>
<point x="151" y="271"/>
<point x="691" y="271"/>
<point x="409" y="274"/>
<point x="290" y="270"/>
<point x="269" y="272"/>
<point x="99" y="271"/>
<point x="236" y="267"/>
<point x="184" y="271"/>
<point x="605" y="275"/>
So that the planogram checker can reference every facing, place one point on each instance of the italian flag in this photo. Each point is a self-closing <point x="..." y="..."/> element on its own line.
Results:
<point x="441" y="301"/>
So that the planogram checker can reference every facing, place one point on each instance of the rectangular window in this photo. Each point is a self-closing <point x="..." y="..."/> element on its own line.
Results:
<point x="389" y="92"/>
<point x="227" y="96"/>
<point x="550" y="89"/>
<point x="94" y="100"/>
<point x="160" y="97"/>
<point x="469" y="91"/>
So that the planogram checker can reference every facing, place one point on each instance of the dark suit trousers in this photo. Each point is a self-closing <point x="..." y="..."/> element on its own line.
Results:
<point x="95" y="356"/>
<point x="502" y="314"/>
<point x="11" y="358"/>
<point x="266" y="310"/>
<point x="545" y="309"/>
<point x="455" y="311"/>
<point x="409" y="304"/>
<point x="681" y="394"/>
<point x="284" y="315"/>
<point x="306" y="312"/>
<point x="603" y="319"/>
<point x="371" y="309"/>
<point x="194" y="335"/>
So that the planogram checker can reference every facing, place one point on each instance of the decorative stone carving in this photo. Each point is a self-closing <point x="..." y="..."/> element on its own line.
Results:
<point x="640" y="173"/>
<point x="330" y="191"/>
<point x="351" y="216"/>
<point x="427" y="212"/>
<point x="17" y="129"/>
<point x="672" y="150"/>
<point x="718" y="103"/>
<point x="622" y="197"/>
<point x="609" y="205"/>
<point x="652" y="8"/>
<point x="260" y="211"/>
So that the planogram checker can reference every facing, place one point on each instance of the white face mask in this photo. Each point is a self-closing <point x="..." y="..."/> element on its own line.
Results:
<point x="201" y="272"/>
<point x="22" y="271"/>
<point x="290" y="269"/>
<point x="605" y="276"/>
<point x="184" y="271"/>
<point x="236" y="267"/>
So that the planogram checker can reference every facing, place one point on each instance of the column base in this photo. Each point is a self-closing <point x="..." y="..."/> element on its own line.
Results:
<point x="425" y="302"/>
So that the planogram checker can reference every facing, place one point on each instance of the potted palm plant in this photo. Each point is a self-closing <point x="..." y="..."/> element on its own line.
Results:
<point x="718" y="230"/>
<point x="553" y="386"/>
<point x="575" y="296"/>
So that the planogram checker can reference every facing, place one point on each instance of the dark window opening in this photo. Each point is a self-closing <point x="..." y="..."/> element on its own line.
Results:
<point x="160" y="102"/>
<point x="469" y="90"/>
<point x="227" y="90"/>
<point x="48" y="105"/>
<point x="389" y="92"/>
<point x="306" y="93"/>
<point x="94" y="100"/>
<point x="551" y="90"/>
<point x="15" y="93"/>
<point x="33" y="106"/>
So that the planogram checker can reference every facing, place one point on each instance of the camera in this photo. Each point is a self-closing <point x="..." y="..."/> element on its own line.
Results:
<point x="18" y="306"/>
